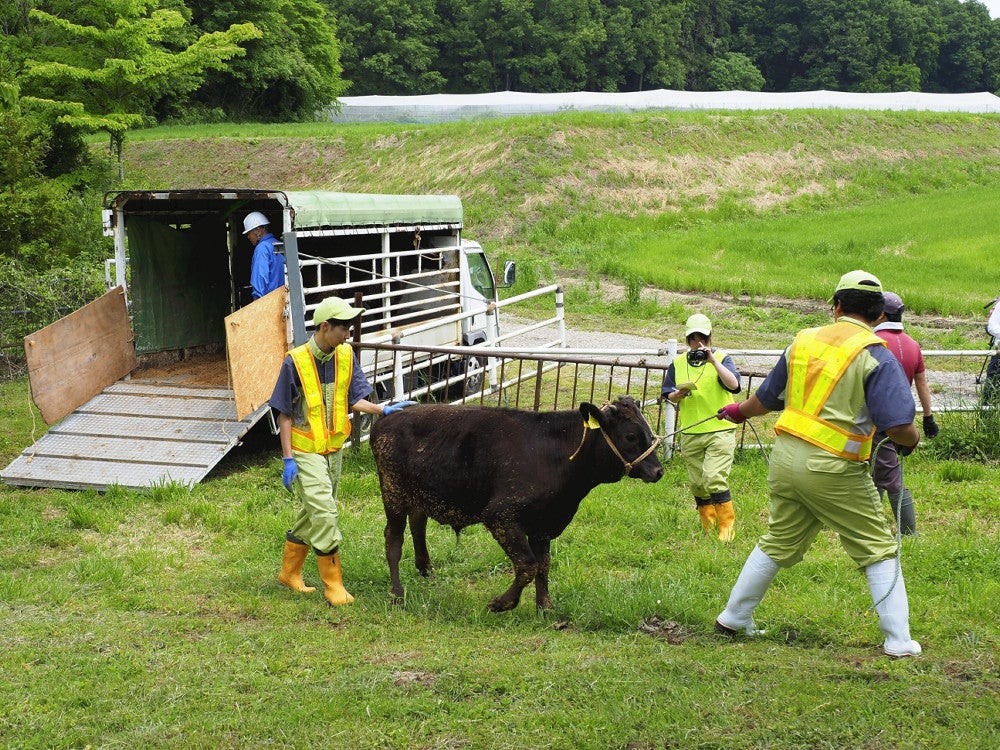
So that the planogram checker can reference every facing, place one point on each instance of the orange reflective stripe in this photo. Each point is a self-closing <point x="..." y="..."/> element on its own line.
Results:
<point x="825" y="435"/>
<point x="340" y="424"/>
<point x="817" y="360"/>
<point x="315" y="436"/>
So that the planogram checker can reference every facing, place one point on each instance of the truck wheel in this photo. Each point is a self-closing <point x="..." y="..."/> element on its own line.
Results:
<point x="473" y="375"/>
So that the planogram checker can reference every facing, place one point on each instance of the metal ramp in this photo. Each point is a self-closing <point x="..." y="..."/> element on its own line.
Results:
<point x="135" y="434"/>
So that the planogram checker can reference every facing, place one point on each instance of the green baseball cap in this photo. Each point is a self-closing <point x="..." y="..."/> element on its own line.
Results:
<point x="860" y="280"/>
<point x="334" y="308"/>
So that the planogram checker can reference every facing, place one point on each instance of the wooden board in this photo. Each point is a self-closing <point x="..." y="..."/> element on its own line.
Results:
<point x="75" y="358"/>
<point x="256" y="344"/>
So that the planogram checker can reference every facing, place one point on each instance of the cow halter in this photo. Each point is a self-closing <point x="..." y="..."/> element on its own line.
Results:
<point x="627" y="464"/>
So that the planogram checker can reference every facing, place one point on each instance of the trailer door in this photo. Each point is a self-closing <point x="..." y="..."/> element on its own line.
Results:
<point x="256" y="343"/>
<point x="77" y="357"/>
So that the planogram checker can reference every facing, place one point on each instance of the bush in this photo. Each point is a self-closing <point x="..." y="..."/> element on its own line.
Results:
<point x="734" y="72"/>
<point x="973" y="436"/>
<point x="30" y="300"/>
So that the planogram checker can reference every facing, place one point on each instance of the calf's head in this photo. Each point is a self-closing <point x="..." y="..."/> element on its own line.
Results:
<point x="628" y="436"/>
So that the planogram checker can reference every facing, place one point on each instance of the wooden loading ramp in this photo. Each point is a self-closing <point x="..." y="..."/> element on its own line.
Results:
<point x="135" y="434"/>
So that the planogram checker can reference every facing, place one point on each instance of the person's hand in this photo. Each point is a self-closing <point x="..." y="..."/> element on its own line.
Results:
<point x="682" y="393"/>
<point x="732" y="413"/>
<point x="904" y="450"/>
<point x="390" y="408"/>
<point x="291" y="471"/>
<point x="931" y="428"/>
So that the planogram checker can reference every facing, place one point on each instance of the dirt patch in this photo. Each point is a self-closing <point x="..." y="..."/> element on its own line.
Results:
<point x="670" y="631"/>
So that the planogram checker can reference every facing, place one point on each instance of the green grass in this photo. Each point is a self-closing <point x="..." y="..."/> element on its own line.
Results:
<point x="900" y="240"/>
<point x="152" y="619"/>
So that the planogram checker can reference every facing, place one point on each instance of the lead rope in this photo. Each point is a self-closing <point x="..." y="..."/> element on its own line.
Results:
<point x="657" y="439"/>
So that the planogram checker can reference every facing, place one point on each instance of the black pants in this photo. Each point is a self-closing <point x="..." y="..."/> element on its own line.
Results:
<point x="991" y="385"/>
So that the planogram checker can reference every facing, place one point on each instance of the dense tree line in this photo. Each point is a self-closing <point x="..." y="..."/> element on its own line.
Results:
<point x="463" y="46"/>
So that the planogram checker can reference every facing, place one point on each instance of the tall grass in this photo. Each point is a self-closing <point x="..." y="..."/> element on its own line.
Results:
<point x="757" y="203"/>
<point x="930" y="261"/>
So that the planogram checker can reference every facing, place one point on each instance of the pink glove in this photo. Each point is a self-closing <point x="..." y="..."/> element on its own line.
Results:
<point x="732" y="413"/>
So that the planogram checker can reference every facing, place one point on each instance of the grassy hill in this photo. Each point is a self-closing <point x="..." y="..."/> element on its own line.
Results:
<point x="753" y="208"/>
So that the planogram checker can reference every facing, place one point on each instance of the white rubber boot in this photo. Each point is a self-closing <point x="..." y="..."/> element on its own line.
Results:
<point x="755" y="578"/>
<point x="889" y="594"/>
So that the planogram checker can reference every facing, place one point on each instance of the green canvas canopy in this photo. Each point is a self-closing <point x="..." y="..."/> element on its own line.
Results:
<point x="318" y="208"/>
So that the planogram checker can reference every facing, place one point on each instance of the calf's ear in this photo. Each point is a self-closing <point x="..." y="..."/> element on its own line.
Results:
<point x="591" y="414"/>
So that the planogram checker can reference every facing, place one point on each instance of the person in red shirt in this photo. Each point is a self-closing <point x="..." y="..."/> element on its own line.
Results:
<point x="886" y="471"/>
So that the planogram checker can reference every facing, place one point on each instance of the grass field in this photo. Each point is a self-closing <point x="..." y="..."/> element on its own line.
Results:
<point x="153" y="620"/>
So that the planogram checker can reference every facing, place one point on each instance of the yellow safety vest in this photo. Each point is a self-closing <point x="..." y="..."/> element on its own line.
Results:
<point x="704" y="402"/>
<point x="817" y="360"/>
<point x="318" y="435"/>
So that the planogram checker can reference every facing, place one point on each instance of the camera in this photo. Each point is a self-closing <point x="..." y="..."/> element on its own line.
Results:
<point x="696" y="357"/>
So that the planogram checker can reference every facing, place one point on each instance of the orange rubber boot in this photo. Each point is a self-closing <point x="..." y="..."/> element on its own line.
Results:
<point x="727" y="521"/>
<point x="708" y="517"/>
<point x="333" y="579"/>
<point x="291" y="567"/>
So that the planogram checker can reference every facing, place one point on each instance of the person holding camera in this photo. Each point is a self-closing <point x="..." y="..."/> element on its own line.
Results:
<point x="699" y="384"/>
<point x="991" y="386"/>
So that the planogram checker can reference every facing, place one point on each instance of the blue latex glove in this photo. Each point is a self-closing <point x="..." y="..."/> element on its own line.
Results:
<point x="291" y="471"/>
<point x="390" y="408"/>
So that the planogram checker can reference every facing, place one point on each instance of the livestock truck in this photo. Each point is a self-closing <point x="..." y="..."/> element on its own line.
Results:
<point x="160" y="378"/>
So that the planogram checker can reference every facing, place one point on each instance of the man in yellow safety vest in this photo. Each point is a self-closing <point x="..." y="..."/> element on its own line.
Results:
<point x="835" y="386"/>
<point x="318" y="383"/>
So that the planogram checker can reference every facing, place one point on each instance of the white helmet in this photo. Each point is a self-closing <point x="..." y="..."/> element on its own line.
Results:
<point x="253" y="220"/>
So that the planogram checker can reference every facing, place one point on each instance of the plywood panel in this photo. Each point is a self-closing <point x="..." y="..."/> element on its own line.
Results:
<point x="256" y="343"/>
<point x="76" y="357"/>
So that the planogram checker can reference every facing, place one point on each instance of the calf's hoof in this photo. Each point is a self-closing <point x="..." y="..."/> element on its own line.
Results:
<point x="502" y="604"/>
<point x="544" y="603"/>
<point x="397" y="598"/>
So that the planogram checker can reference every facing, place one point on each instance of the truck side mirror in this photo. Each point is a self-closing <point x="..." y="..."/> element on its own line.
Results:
<point x="509" y="273"/>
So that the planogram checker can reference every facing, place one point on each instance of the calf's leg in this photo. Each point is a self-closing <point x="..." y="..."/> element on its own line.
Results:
<point x="394" y="527"/>
<point x="540" y="549"/>
<point x="514" y="542"/>
<point x="418" y="530"/>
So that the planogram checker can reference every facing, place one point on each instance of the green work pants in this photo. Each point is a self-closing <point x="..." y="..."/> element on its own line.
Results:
<point x="811" y="488"/>
<point x="708" y="457"/>
<point x="315" y="488"/>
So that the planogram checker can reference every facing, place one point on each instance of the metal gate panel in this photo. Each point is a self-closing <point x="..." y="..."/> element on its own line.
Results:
<point x="135" y="435"/>
<point x="111" y="425"/>
<point x="104" y="448"/>
<point x="179" y="406"/>
<point x="96" y="475"/>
